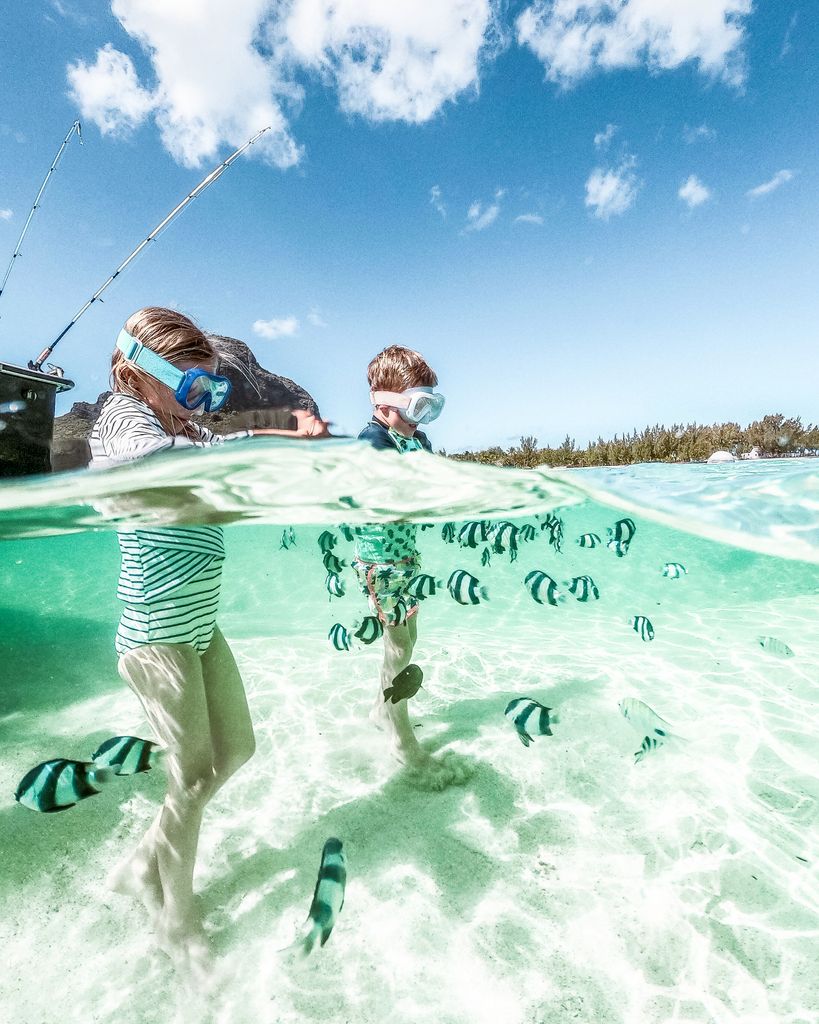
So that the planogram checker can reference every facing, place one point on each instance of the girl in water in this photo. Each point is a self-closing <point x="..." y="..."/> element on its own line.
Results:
<point x="171" y="651"/>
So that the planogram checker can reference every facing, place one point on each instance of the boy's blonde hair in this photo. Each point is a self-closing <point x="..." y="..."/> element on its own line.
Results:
<point x="170" y="334"/>
<point x="398" y="368"/>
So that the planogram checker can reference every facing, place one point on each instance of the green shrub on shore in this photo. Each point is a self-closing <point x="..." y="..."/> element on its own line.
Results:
<point x="773" y="435"/>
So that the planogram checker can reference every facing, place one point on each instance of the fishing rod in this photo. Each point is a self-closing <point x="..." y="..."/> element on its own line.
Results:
<point x="76" y="127"/>
<point x="37" y="363"/>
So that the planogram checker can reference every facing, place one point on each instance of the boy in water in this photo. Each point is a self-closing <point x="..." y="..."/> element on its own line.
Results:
<point x="386" y="558"/>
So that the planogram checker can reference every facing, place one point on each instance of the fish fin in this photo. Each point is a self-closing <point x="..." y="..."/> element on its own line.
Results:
<point x="388" y="693"/>
<point x="638" y="756"/>
<point x="547" y="731"/>
<point x="524" y="738"/>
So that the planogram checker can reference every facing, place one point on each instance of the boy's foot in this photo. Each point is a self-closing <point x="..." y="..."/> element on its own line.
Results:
<point x="424" y="770"/>
<point x="436" y="773"/>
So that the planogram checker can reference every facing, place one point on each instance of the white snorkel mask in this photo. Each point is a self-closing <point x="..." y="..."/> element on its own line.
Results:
<point x="415" y="405"/>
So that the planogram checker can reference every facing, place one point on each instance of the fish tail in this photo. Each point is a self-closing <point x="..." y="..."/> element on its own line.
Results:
<point x="100" y="774"/>
<point x="308" y="941"/>
<point x="554" y="717"/>
<point x="484" y="593"/>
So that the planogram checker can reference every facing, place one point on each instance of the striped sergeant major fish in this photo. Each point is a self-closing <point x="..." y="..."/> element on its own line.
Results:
<point x="285" y="541"/>
<point x="554" y="524"/>
<point x="291" y="536"/>
<point x="589" y="540"/>
<point x="334" y="584"/>
<point x="654" y="730"/>
<point x="529" y="717"/>
<point x="642" y="627"/>
<point x="332" y="563"/>
<point x="465" y="588"/>
<point x="346" y="532"/>
<point x="505" y="535"/>
<point x="543" y="588"/>
<point x="583" y="588"/>
<point x="59" y="784"/>
<point x="486" y="556"/>
<point x="623" y="531"/>
<point x="328" y="896"/>
<point x="673" y="570"/>
<point x="473" y="534"/>
<point x="340" y="637"/>
<point x="774" y="646"/>
<point x="398" y="615"/>
<point x="619" y="547"/>
<point x="127" y="755"/>
<point x="448" y="533"/>
<point x="368" y="630"/>
<point x="422" y="587"/>
<point x="327" y="541"/>
<point x="526" y="533"/>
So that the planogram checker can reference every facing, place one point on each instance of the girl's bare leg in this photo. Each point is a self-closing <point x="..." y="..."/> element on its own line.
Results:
<point x="231" y="729"/>
<point x="168" y="679"/>
<point x="232" y="744"/>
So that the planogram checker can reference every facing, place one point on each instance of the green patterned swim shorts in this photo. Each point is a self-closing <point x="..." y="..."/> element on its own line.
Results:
<point x="385" y="584"/>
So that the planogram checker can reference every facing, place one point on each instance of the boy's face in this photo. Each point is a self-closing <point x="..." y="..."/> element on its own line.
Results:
<point x="395" y="421"/>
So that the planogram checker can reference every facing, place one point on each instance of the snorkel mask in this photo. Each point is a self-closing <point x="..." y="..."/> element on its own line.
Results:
<point x="193" y="389"/>
<point x="415" y="405"/>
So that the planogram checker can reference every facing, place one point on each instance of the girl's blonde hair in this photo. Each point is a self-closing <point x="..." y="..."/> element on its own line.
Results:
<point x="398" y="368"/>
<point x="170" y="334"/>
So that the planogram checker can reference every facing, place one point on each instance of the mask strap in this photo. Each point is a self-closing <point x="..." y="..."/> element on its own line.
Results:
<point x="160" y="369"/>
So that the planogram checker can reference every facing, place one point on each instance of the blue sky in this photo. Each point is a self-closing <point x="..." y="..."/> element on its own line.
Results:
<point x="666" y="268"/>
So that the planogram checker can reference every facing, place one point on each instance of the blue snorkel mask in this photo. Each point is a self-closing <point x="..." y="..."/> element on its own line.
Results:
<point x="193" y="388"/>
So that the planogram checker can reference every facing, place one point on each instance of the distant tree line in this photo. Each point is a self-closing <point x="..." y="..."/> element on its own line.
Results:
<point x="773" y="435"/>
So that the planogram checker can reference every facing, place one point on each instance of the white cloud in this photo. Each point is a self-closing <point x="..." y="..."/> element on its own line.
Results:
<point x="529" y="218"/>
<point x="316" y="319"/>
<point x="769" y="186"/>
<point x="108" y="92"/>
<point x="787" y="45"/>
<point x="399" y="60"/>
<point x="284" y="327"/>
<point x="602" y="139"/>
<point x="6" y="214"/>
<point x="574" y="38"/>
<point x="436" y="201"/>
<point x="479" y="216"/>
<point x="213" y="86"/>
<point x="693" y="192"/>
<point x="611" y="191"/>
<point x="216" y="79"/>
<point x="698" y="133"/>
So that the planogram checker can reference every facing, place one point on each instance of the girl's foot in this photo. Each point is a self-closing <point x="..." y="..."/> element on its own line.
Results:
<point x="138" y="876"/>
<point x="185" y="942"/>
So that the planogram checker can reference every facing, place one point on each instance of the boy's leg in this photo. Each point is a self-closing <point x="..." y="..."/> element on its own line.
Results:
<point x="167" y="678"/>
<point x="231" y="729"/>
<point x="399" y="643"/>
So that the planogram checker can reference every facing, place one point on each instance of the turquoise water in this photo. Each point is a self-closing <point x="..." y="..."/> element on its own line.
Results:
<point x="562" y="882"/>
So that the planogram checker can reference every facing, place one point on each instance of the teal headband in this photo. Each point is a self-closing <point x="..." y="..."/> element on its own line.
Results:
<point x="135" y="352"/>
